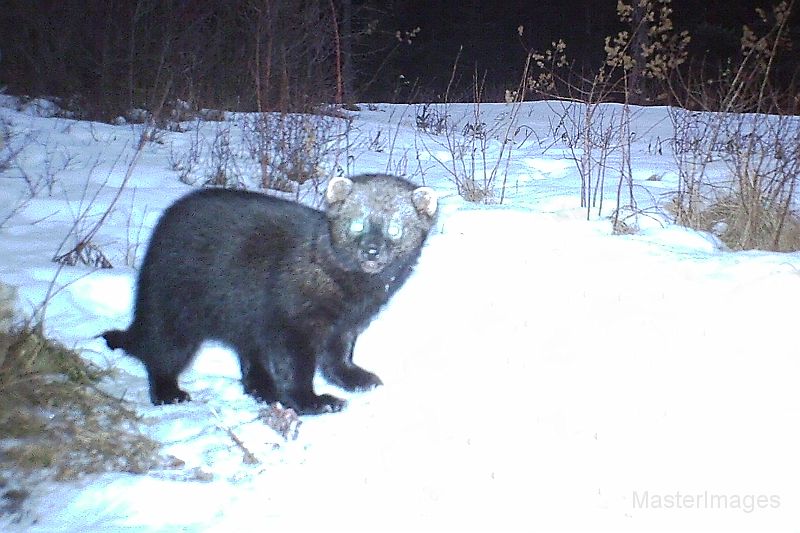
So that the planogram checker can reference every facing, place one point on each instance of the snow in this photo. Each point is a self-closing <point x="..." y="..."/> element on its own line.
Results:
<point x="540" y="372"/>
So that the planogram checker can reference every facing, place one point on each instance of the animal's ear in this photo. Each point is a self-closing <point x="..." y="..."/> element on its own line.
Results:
<point x="425" y="200"/>
<point x="338" y="189"/>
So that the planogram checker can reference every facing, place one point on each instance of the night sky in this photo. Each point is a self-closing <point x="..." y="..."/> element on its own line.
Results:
<point x="488" y="32"/>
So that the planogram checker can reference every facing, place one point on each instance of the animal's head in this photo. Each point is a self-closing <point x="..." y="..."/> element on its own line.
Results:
<point x="377" y="219"/>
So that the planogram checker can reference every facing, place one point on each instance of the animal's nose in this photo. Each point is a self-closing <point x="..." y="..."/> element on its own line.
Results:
<point x="371" y="245"/>
<point x="371" y="251"/>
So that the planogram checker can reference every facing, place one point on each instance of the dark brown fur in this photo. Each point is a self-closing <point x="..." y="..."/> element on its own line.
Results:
<point x="288" y="287"/>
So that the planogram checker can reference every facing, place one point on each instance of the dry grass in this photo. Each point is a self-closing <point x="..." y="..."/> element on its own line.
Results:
<point x="743" y="221"/>
<point x="750" y="224"/>
<point x="53" y="416"/>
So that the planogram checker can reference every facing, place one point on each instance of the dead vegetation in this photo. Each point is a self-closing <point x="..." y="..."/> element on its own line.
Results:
<point x="745" y="220"/>
<point x="55" y="422"/>
<point x="53" y="415"/>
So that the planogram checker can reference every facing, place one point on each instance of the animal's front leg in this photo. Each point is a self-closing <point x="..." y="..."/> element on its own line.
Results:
<point x="336" y="364"/>
<point x="292" y="361"/>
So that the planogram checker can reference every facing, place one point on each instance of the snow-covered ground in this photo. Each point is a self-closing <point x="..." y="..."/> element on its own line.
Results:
<point x="540" y="372"/>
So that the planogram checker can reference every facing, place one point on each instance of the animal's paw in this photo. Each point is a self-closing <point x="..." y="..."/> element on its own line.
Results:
<point x="170" y="397"/>
<point x="354" y="378"/>
<point x="165" y="390"/>
<point x="360" y="380"/>
<point x="312" y="404"/>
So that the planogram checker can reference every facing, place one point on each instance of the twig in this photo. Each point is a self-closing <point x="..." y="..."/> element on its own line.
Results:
<point x="248" y="457"/>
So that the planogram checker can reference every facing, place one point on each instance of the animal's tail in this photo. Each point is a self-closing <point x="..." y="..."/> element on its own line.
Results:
<point x="115" y="338"/>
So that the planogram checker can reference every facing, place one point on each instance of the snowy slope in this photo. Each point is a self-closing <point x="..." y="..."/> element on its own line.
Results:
<point x="540" y="372"/>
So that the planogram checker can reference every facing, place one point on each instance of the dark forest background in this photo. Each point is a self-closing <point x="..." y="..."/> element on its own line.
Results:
<point x="105" y="56"/>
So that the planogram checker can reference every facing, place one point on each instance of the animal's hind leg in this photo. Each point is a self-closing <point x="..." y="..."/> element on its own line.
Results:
<point x="164" y="354"/>
<point x="163" y="370"/>
<point x="165" y="390"/>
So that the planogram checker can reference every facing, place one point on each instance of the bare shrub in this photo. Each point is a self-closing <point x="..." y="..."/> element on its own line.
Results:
<point x="276" y="151"/>
<point x="133" y="234"/>
<point x="186" y="163"/>
<point x="638" y="58"/>
<point x="44" y="177"/>
<point x="223" y="169"/>
<point x="210" y="161"/>
<point x="82" y="232"/>
<point x="479" y="153"/>
<point x="753" y="206"/>
<point x="431" y="118"/>
<point x="695" y="147"/>
<point x="9" y="148"/>
<point x="291" y="149"/>
<point x="599" y="138"/>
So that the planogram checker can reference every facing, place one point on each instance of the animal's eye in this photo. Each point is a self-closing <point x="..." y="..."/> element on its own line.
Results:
<point x="394" y="230"/>
<point x="357" y="227"/>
